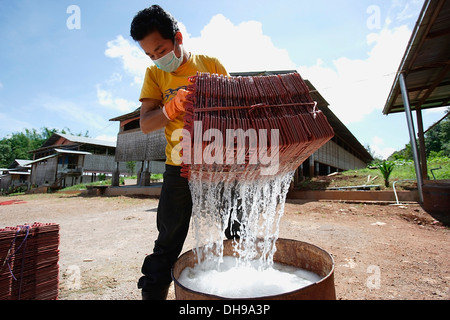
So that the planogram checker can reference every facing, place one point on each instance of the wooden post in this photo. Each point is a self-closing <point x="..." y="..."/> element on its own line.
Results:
<point x="145" y="176"/>
<point x="311" y="166"/>
<point x="422" y="150"/>
<point x="116" y="176"/>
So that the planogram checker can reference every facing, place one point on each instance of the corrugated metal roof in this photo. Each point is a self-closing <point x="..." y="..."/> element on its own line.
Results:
<point x="58" y="152"/>
<point x="22" y="163"/>
<point x="131" y="115"/>
<point x="19" y="173"/>
<point x="426" y="63"/>
<point x="17" y="163"/>
<point x="72" y="152"/>
<point x="43" y="158"/>
<point x="78" y="139"/>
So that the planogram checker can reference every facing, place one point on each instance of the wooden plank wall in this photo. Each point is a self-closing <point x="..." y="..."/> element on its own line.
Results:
<point x="333" y="155"/>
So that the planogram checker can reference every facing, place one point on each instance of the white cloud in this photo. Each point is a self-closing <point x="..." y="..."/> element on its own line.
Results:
<point x="106" y="99"/>
<point x="68" y="113"/>
<point x="407" y="9"/>
<point x="12" y="123"/>
<point x="357" y="87"/>
<point x="380" y="149"/>
<point x="440" y="110"/>
<point x="115" y="78"/>
<point x="219" y="38"/>
<point x="1" y="85"/>
<point x="134" y="60"/>
<point x="240" y="48"/>
<point x="377" y="140"/>
<point x="107" y="138"/>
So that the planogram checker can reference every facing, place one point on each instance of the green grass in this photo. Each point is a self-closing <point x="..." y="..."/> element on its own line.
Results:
<point x="404" y="170"/>
<point x="82" y="186"/>
<point x="444" y="172"/>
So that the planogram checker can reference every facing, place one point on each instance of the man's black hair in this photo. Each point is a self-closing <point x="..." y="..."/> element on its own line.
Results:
<point x="153" y="19"/>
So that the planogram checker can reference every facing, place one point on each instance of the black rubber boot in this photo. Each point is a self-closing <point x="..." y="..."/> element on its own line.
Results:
<point x="157" y="293"/>
<point x="154" y="291"/>
<point x="233" y="230"/>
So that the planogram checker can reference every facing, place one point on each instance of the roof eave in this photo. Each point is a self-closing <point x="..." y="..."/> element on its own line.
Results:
<point x="419" y="35"/>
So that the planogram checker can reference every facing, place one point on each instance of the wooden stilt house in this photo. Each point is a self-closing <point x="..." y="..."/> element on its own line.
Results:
<point x="65" y="160"/>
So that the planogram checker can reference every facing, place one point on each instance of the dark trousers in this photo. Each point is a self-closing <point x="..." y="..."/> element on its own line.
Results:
<point x="173" y="218"/>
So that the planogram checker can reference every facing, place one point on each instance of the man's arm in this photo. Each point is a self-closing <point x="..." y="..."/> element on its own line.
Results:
<point x="152" y="116"/>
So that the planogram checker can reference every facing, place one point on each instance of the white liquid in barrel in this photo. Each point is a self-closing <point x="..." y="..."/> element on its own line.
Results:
<point x="232" y="281"/>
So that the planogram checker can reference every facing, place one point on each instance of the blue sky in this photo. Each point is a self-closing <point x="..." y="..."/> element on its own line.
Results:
<point x="78" y="78"/>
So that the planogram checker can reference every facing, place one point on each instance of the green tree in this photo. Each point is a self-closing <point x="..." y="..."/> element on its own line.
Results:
<point x="131" y="166"/>
<point x="404" y="154"/>
<point x="5" y="153"/>
<point x="20" y="144"/>
<point x="438" y="138"/>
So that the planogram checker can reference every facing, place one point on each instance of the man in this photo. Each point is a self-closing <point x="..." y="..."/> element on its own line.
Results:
<point x="163" y="98"/>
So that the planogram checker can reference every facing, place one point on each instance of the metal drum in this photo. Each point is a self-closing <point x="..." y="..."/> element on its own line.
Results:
<point x="289" y="252"/>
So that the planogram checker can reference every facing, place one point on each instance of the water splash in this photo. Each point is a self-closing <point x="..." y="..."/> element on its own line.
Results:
<point x="254" y="207"/>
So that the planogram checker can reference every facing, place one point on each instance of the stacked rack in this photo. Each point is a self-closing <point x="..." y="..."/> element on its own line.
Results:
<point x="260" y="104"/>
<point x="29" y="258"/>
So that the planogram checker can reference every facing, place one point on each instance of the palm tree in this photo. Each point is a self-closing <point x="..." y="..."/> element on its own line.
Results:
<point x="386" y="168"/>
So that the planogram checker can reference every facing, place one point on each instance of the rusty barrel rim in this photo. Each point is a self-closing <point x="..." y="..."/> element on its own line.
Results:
<point x="327" y="277"/>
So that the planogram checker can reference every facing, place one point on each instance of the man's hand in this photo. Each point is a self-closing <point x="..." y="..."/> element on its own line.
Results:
<point x="175" y="107"/>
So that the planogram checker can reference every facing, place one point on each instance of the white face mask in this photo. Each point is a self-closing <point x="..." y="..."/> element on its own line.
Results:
<point x="170" y="62"/>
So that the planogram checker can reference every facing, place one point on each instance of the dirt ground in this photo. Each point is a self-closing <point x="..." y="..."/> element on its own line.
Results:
<point x="381" y="251"/>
